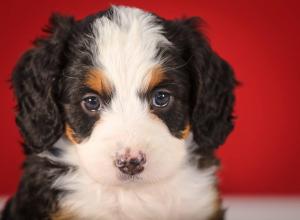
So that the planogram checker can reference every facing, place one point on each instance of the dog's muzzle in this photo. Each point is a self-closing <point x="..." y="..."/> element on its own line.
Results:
<point x="130" y="163"/>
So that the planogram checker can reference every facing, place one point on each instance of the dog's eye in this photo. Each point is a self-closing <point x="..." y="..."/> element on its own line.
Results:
<point x="161" y="98"/>
<point x="91" y="102"/>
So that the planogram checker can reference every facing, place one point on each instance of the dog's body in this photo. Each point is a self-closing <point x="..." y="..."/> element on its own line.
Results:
<point x="121" y="113"/>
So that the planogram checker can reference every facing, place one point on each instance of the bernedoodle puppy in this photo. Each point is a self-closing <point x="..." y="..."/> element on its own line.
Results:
<point x="120" y="113"/>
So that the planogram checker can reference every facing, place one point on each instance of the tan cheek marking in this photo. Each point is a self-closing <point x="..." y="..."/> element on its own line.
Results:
<point x="97" y="81"/>
<point x="63" y="215"/>
<point x="70" y="134"/>
<point x="185" y="133"/>
<point x="157" y="75"/>
<point x="218" y="213"/>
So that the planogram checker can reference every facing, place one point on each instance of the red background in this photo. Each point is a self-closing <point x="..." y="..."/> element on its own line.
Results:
<point x="261" y="41"/>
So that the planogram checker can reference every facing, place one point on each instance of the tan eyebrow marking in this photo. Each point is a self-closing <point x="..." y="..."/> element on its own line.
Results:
<point x="156" y="75"/>
<point x="97" y="81"/>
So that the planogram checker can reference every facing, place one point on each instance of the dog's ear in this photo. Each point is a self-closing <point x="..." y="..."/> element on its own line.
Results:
<point x="34" y="81"/>
<point x="213" y="83"/>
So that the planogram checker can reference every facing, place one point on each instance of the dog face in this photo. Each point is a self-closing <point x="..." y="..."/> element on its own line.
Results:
<point x="126" y="88"/>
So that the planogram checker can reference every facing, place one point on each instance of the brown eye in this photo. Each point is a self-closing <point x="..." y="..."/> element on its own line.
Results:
<point x="161" y="98"/>
<point x="91" y="102"/>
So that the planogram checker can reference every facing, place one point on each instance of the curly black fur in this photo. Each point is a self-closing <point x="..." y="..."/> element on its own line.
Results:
<point x="34" y="81"/>
<point x="35" y="198"/>
<point x="212" y="81"/>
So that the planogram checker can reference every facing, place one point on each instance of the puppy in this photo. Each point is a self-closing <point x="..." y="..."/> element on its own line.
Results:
<point x="121" y="113"/>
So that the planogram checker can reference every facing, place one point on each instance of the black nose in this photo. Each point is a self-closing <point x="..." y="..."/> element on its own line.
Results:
<point x="134" y="162"/>
<point x="131" y="165"/>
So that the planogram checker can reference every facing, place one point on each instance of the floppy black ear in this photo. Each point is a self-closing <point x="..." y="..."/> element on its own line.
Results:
<point x="34" y="82"/>
<point x="213" y="83"/>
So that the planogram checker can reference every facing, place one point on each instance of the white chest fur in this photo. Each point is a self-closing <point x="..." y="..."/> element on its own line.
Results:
<point x="190" y="194"/>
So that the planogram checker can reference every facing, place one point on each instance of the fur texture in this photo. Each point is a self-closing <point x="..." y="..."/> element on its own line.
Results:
<point x="91" y="91"/>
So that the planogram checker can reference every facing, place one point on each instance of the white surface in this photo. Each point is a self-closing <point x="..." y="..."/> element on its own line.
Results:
<point x="258" y="208"/>
<point x="262" y="208"/>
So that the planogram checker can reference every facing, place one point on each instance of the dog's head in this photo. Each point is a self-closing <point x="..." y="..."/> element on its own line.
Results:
<point x="126" y="88"/>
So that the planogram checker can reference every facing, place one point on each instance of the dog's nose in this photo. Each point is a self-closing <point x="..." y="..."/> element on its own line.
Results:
<point x="130" y="164"/>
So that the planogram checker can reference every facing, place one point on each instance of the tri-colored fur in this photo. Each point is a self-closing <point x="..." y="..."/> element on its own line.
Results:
<point x="121" y="82"/>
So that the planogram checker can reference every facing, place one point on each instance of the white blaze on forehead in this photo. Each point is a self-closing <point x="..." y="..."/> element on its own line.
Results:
<point x="127" y="47"/>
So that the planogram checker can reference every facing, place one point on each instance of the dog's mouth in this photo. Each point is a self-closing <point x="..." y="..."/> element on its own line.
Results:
<point x="129" y="178"/>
